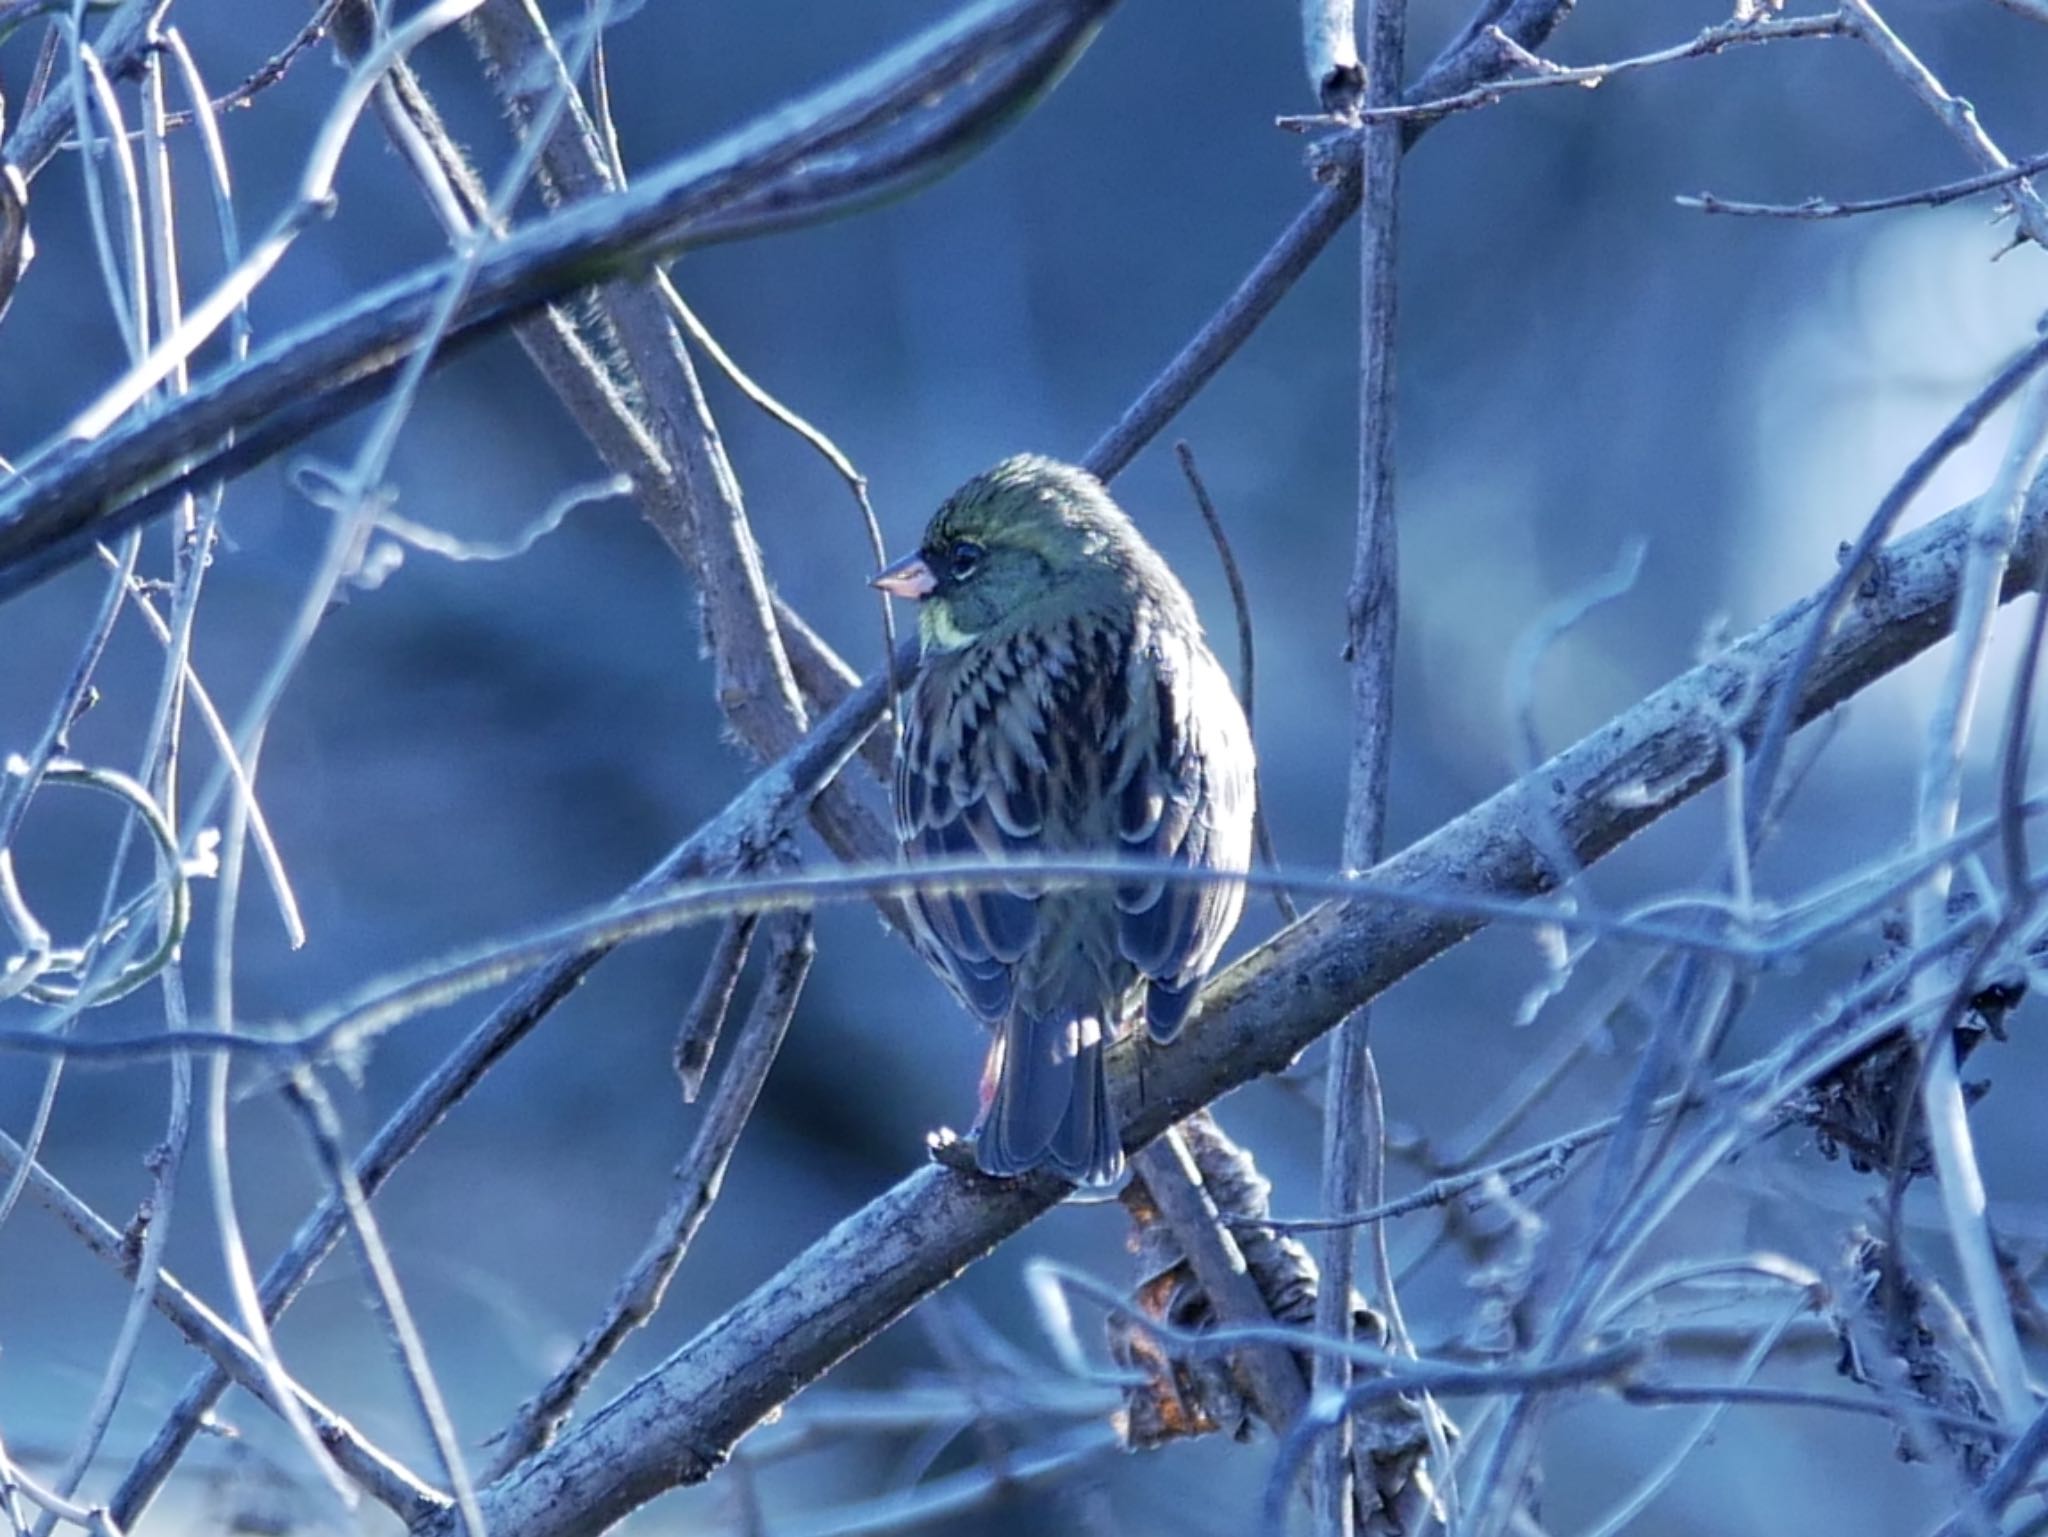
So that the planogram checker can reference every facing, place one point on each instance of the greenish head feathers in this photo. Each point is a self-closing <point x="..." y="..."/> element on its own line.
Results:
<point x="1028" y="533"/>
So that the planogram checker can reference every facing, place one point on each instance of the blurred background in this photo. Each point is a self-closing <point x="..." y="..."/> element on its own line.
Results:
<point x="471" y="749"/>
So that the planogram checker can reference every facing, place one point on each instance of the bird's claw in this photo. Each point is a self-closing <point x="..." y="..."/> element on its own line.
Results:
<point x="947" y="1148"/>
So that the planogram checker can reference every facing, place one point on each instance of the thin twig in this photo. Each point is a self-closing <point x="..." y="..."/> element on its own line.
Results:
<point x="267" y="851"/>
<point x="856" y="483"/>
<point x="1954" y="113"/>
<point x="698" y="1037"/>
<point x="387" y="1300"/>
<point x="1660" y="1478"/>
<point x="1550" y="1159"/>
<point x="160" y="757"/>
<point x="750" y="824"/>
<point x="1643" y="1391"/>
<point x="1715" y="39"/>
<point x="958" y="1497"/>
<point x="381" y="1476"/>
<point x="381" y="1005"/>
<point x="1247" y="656"/>
<point x="1855" y="565"/>
<point x="20" y="778"/>
<point x="1832" y="208"/>
<point x="220" y="1178"/>
<point x="1993" y="533"/>
<point x="271" y="70"/>
<point x="1474" y="55"/>
<point x="699" y="1178"/>
<point x="1224" y="332"/>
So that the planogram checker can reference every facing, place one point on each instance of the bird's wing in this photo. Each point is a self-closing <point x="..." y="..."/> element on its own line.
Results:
<point x="1147" y="733"/>
<point x="1187" y="800"/>
<point x="970" y="783"/>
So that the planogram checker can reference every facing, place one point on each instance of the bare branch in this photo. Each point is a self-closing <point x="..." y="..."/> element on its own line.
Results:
<point x="698" y="1180"/>
<point x="1546" y="76"/>
<point x="702" y="1025"/>
<point x="736" y="838"/>
<point x="1221" y="335"/>
<point x="914" y="112"/>
<point x="1479" y="53"/>
<point x="1278" y="1387"/>
<point x="1859" y="562"/>
<point x="1354" y="1127"/>
<point x="1829" y="208"/>
<point x="323" y="1128"/>
<point x="385" y="1479"/>
<point x="119" y="48"/>
<point x="1954" y="113"/>
<point x="677" y="1424"/>
<point x="1940" y="799"/>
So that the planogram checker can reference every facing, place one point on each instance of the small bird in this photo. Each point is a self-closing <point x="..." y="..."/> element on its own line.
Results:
<point x="1066" y="704"/>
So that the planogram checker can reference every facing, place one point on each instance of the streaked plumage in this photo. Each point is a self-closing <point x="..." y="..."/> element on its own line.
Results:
<point x="1067" y="703"/>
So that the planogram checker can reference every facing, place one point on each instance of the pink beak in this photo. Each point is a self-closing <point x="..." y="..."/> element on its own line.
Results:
<point x="910" y="577"/>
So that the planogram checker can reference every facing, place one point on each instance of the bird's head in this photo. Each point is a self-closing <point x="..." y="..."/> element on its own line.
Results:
<point x="1026" y="537"/>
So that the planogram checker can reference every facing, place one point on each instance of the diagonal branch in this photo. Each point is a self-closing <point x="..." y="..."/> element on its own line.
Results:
<point x="1958" y="116"/>
<point x="930" y="103"/>
<point x="677" y="1424"/>
<point x="698" y="1179"/>
<point x="235" y="1357"/>
<point x="1496" y="41"/>
<point x="736" y="838"/>
<point x="876" y="134"/>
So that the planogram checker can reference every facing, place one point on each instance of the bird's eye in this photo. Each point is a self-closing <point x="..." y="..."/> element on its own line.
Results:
<point x="963" y="559"/>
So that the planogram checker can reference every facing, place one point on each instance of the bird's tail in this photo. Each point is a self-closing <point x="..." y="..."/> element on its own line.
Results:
<point x="1047" y="1101"/>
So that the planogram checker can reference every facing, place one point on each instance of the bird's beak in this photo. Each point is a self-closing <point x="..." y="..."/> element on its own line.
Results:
<point x="910" y="577"/>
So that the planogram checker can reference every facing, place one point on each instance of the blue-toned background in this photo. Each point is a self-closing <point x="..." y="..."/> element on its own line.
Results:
<point x="474" y="748"/>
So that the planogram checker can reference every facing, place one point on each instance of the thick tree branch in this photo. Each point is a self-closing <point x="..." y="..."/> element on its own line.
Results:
<point x="877" y="134"/>
<point x="679" y="1422"/>
<point x="909" y="113"/>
